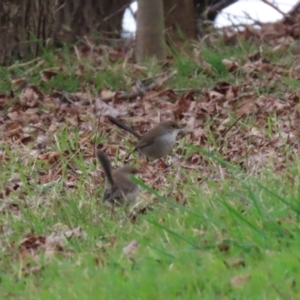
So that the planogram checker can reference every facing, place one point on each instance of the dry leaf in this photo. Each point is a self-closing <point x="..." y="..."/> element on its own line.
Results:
<point x="31" y="96"/>
<point x="234" y="262"/>
<point x="46" y="75"/>
<point x="19" y="83"/>
<point x="107" y="94"/>
<point x="240" y="280"/>
<point x="131" y="248"/>
<point x="199" y="232"/>
<point x="76" y="232"/>
<point x="230" y="64"/>
<point x="104" y="109"/>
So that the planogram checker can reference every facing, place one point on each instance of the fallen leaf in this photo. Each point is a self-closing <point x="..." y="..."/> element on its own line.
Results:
<point x="31" y="96"/>
<point x="240" y="280"/>
<point x="234" y="262"/>
<point x="230" y="64"/>
<point x="47" y="74"/>
<point x="199" y="232"/>
<point x="131" y="248"/>
<point x="19" y="83"/>
<point x="76" y="232"/>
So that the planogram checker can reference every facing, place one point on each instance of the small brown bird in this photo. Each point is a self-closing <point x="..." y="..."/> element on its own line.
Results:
<point x="119" y="189"/>
<point x="155" y="143"/>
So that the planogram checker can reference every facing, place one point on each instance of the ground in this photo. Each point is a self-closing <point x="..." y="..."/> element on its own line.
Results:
<point x="217" y="220"/>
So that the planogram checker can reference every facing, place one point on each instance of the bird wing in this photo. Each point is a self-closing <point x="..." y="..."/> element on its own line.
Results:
<point x="118" y="193"/>
<point x="145" y="141"/>
<point x="107" y="194"/>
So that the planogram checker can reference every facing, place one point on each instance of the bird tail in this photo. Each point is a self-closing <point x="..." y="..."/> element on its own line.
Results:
<point x="106" y="165"/>
<point x="123" y="126"/>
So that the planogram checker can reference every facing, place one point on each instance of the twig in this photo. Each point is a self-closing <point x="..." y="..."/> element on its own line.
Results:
<point x="113" y="14"/>
<point x="153" y="77"/>
<point x="228" y="129"/>
<point x="37" y="127"/>
<point x="96" y="136"/>
<point x="77" y="53"/>
<point x="274" y="7"/>
<point x="133" y="14"/>
<point x="24" y="64"/>
<point x="295" y="10"/>
<point x="60" y="7"/>
<point x="294" y="26"/>
<point x="127" y="57"/>
<point x="189" y="90"/>
<point x="162" y="80"/>
<point x="88" y="43"/>
<point x="39" y="64"/>
<point x="141" y="90"/>
<point x="255" y="22"/>
<point x="64" y="96"/>
<point x="219" y="6"/>
<point x="231" y="17"/>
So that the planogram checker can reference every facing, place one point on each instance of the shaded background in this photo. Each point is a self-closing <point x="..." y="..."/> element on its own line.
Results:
<point x="235" y="14"/>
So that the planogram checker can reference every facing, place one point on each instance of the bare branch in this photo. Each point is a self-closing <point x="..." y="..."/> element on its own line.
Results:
<point x="219" y="6"/>
<point x="295" y="10"/>
<point x="274" y="7"/>
<point x="122" y="8"/>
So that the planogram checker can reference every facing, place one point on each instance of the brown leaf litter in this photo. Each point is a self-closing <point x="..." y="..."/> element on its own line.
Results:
<point x="248" y="128"/>
<point x="32" y="246"/>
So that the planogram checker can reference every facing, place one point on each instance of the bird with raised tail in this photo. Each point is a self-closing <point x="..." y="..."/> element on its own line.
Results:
<point x="119" y="189"/>
<point x="157" y="142"/>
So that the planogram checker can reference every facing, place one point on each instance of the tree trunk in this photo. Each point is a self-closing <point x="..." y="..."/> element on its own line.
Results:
<point x="77" y="18"/>
<point x="180" y="21"/>
<point x="150" y="39"/>
<point x="25" y="27"/>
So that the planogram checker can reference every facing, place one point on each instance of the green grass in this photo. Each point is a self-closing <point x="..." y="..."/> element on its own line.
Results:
<point x="253" y="220"/>
<point x="237" y="225"/>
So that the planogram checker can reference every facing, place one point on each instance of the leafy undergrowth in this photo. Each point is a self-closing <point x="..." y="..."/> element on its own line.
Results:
<point x="220" y="221"/>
